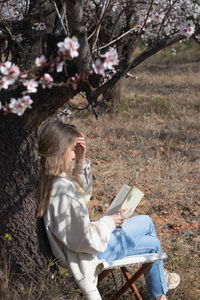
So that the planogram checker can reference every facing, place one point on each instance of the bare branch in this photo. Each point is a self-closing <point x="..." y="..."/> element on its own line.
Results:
<point x="97" y="30"/>
<point x="59" y="16"/>
<point x="128" y="32"/>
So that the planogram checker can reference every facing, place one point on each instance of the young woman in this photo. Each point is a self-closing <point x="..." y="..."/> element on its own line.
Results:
<point x="76" y="241"/>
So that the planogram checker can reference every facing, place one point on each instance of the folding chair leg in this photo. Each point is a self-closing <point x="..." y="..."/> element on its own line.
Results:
<point x="131" y="281"/>
<point x="133" y="286"/>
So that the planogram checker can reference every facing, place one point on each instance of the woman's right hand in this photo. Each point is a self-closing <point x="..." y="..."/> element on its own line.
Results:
<point x="118" y="218"/>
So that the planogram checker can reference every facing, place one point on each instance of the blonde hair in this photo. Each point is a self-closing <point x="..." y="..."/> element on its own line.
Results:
<point x="54" y="137"/>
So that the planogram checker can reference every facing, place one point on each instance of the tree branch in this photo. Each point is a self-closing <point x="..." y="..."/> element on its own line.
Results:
<point x="94" y="94"/>
<point x="76" y="28"/>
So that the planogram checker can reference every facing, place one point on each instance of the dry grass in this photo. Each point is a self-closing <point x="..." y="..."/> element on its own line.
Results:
<point x="153" y="141"/>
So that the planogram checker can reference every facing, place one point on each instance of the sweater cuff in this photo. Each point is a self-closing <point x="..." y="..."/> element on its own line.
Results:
<point x="109" y="222"/>
<point x="79" y="168"/>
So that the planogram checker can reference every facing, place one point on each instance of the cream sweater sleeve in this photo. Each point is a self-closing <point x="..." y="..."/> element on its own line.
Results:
<point x="84" y="173"/>
<point x="68" y="220"/>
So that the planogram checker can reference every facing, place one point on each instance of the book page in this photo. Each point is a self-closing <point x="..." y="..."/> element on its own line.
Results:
<point x="117" y="201"/>
<point x="131" y="202"/>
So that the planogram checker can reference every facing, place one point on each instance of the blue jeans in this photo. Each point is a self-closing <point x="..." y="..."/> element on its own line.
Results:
<point x="138" y="236"/>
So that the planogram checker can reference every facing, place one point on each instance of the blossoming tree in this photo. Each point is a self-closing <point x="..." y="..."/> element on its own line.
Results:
<point x="50" y="51"/>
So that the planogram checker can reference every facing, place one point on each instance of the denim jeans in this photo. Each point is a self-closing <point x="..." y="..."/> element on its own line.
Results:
<point x="138" y="236"/>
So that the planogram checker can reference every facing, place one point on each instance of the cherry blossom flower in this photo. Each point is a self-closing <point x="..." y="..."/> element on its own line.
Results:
<point x="70" y="45"/>
<point x="46" y="79"/>
<point x="59" y="67"/>
<point x="111" y="58"/>
<point x="158" y="16"/>
<point x="27" y="101"/>
<point x="98" y="67"/>
<point x="39" y="26"/>
<point x="40" y="61"/>
<point x="10" y="74"/>
<point x="4" y="83"/>
<point x="18" y="106"/>
<point x="114" y="6"/>
<point x="13" y="10"/>
<point x="31" y="85"/>
<point x="18" y="38"/>
<point x="6" y="68"/>
<point x="74" y="86"/>
<point x="187" y="29"/>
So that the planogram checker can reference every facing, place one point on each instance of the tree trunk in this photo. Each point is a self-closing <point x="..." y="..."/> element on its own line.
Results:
<point x="23" y="237"/>
<point x="23" y="241"/>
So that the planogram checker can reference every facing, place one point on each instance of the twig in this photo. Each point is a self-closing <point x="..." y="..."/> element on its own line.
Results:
<point x="59" y="16"/>
<point x="166" y="16"/>
<point x="129" y="31"/>
<point x="97" y="30"/>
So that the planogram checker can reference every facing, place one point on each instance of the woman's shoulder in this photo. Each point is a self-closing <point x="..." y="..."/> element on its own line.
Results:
<point x="64" y="187"/>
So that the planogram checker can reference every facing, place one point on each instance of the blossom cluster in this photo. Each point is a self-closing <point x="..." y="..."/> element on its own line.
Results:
<point x="68" y="49"/>
<point x="14" y="10"/>
<point x="166" y="18"/>
<point x="10" y="74"/>
<point x="110" y="59"/>
<point x="154" y="20"/>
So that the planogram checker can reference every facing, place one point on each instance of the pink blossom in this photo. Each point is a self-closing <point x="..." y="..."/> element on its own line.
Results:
<point x="39" y="26"/>
<point x="187" y="29"/>
<point x="111" y="59"/>
<point x="158" y="16"/>
<point x="10" y="69"/>
<point x="40" y="61"/>
<point x="6" y="68"/>
<point x="98" y="67"/>
<point x="18" y="106"/>
<point x="18" y="38"/>
<point x="59" y="67"/>
<point x="26" y="101"/>
<point x="114" y="6"/>
<point x="11" y="73"/>
<point x="70" y="45"/>
<point x="31" y="85"/>
<point x="23" y="76"/>
<point x="46" y="79"/>
<point x="4" y="83"/>
<point x="74" y="86"/>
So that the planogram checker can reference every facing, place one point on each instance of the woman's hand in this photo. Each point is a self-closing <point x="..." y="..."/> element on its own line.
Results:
<point x="80" y="149"/>
<point x="118" y="218"/>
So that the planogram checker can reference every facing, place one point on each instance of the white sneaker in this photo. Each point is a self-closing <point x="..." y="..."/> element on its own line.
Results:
<point x="173" y="280"/>
<point x="162" y="297"/>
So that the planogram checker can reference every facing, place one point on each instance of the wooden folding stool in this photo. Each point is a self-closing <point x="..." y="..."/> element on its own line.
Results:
<point x="145" y="259"/>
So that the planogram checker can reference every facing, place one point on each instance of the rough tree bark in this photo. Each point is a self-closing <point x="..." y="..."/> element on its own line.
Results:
<point x="28" y="250"/>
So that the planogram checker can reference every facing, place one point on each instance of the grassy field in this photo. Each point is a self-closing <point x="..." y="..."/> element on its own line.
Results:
<point x="151" y="140"/>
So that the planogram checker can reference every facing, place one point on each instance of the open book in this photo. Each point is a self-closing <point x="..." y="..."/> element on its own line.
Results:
<point x="127" y="198"/>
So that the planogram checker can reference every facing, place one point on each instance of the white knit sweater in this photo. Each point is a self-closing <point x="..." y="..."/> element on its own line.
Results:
<point x="74" y="239"/>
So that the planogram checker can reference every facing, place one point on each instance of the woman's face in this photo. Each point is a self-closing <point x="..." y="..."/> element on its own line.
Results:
<point x="70" y="154"/>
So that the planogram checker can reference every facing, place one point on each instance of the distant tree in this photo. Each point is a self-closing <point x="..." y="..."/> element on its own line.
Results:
<point x="50" y="51"/>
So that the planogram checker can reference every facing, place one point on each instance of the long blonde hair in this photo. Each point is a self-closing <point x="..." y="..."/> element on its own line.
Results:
<point x="54" y="137"/>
